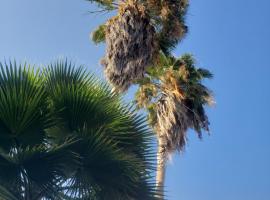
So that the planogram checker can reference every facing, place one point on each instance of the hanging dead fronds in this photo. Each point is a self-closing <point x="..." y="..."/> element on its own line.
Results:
<point x="172" y="123"/>
<point x="173" y="27"/>
<point x="130" y="45"/>
<point x="181" y="105"/>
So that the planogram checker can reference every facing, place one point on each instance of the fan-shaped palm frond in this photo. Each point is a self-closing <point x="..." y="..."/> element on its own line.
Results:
<point x="69" y="137"/>
<point x="113" y="140"/>
<point x="30" y="167"/>
<point x="23" y="106"/>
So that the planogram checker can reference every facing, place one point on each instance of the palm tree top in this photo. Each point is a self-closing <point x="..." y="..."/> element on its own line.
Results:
<point x="175" y="97"/>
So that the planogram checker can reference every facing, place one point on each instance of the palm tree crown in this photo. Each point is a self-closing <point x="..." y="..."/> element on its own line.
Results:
<point x="136" y="34"/>
<point x="64" y="135"/>
<point x="175" y="97"/>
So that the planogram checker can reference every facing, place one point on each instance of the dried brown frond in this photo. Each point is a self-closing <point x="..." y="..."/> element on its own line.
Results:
<point x="183" y="73"/>
<point x="131" y="45"/>
<point x="145" y="94"/>
<point x="172" y="122"/>
<point x="172" y="15"/>
<point x="181" y="107"/>
<point x="210" y="100"/>
<point x="170" y="84"/>
<point x="165" y="11"/>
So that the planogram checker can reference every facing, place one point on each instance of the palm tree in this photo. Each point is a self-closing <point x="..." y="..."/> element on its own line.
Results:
<point x="174" y="97"/>
<point x="64" y="135"/>
<point x="139" y="41"/>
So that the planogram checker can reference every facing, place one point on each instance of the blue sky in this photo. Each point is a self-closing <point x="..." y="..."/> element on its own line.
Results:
<point x="231" y="38"/>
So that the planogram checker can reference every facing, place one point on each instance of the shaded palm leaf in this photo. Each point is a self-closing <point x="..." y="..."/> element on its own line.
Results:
<point x="64" y="135"/>
<point x="114" y="144"/>
<point x="23" y="106"/>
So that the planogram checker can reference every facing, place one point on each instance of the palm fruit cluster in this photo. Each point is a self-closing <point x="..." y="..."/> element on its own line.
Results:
<point x="130" y="45"/>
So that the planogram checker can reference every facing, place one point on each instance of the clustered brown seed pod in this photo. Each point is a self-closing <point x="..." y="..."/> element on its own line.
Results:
<point x="131" y="45"/>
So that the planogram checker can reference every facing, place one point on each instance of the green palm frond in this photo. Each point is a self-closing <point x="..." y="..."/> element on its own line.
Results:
<point x="113" y="139"/>
<point x="98" y="35"/>
<point x="9" y="173"/>
<point x="35" y="172"/>
<point x="23" y="106"/>
<point x="102" y="164"/>
<point x="65" y="72"/>
<point x="64" y="135"/>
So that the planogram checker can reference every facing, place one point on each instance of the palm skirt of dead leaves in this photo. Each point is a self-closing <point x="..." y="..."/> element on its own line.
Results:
<point x="135" y="36"/>
<point x="175" y="98"/>
<point x="130" y="45"/>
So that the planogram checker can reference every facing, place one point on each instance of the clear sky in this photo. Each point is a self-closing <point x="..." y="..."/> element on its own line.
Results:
<point x="231" y="38"/>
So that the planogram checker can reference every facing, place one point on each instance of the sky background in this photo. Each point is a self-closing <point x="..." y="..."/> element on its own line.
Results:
<point x="231" y="38"/>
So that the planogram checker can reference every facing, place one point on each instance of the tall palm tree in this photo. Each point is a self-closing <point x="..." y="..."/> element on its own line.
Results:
<point x="139" y="41"/>
<point x="174" y="97"/>
<point x="64" y="135"/>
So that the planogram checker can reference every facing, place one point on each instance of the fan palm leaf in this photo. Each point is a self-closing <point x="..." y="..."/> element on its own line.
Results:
<point x="112" y="139"/>
<point x="23" y="108"/>
<point x="64" y="135"/>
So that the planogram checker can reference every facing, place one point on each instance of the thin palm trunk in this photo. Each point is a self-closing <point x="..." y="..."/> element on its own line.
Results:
<point x="161" y="168"/>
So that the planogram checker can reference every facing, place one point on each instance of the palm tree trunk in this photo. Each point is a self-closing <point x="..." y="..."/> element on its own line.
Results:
<point x="161" y="168"/>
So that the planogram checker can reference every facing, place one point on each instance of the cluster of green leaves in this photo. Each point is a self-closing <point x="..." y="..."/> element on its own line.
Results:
<point x="98" y="36"/>
<point x="64" y="135"/>
<point x="181" y="73"/>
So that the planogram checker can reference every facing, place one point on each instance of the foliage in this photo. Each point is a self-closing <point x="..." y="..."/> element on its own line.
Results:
<point x="170" y="89"/>
<point x="136" y="34"/>
<point x="98" y="35"/>
<point x="64" y="135"/>
<point x="175" y="97"/>
<point x="106" y="4"/>
<point x="130" y="46"/>
<point x="168" y="18"/>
